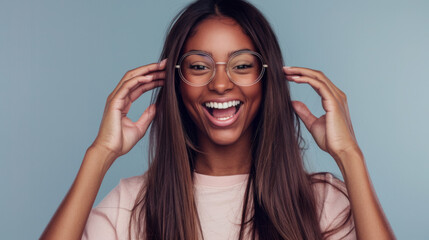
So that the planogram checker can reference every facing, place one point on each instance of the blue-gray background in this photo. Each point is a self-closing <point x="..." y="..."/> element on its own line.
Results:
<point x="59" y="60"/>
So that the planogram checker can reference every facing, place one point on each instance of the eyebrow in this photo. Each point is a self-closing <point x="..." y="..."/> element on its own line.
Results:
<point x="229" y="53"/>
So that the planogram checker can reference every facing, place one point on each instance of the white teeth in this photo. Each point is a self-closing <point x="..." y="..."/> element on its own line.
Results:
<point x="225" y="118"/>
<point x="223" y="105"/>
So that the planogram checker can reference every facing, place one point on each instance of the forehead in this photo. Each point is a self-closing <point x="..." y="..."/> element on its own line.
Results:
<point x="218" y="36"/>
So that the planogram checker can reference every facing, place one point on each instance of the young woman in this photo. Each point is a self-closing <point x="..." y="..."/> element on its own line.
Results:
<point x="225" y="157"/>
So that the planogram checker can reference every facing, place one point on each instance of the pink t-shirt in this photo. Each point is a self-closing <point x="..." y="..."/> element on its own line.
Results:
<point x="219" y="203"/>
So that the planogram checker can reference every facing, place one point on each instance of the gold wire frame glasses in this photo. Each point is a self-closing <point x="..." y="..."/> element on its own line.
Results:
<point x="244" y="68"/>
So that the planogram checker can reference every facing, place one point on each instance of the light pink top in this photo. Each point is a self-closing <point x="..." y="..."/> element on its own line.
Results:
<point x="219" y="204"/>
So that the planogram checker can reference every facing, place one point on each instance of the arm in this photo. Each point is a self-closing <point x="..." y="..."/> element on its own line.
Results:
<point x="370" y="221"/>
<point x="117" y="136"/>
<point x="333" y="132"/>
<point x="70" y="218"/>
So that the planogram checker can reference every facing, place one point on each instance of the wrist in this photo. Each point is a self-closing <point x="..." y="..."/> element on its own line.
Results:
<point x="103" y="156"/>
<point x="347" y="158"/>
<point x="352" y="151"/>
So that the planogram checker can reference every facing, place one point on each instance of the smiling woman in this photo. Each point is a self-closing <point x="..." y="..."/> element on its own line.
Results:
<point x="225" y="160"/>
<point x="217" y="124"/>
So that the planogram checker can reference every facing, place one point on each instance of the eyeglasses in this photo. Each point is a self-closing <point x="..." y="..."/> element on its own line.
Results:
<point x="244" y="68"/>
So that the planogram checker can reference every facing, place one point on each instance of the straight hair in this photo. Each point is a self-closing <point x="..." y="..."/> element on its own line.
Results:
<point x="279" y="202"/>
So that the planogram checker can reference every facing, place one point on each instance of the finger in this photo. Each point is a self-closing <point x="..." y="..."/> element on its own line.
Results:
<point x="154" y="76"/>
<point x="146" y="118"/>
<point x="300" y="71"/>
<point x="124" y="96"/>
<point x="130" y="84"/>
<point x="306" y="72"/>
<point x="314" y="74"/>
<point x="304" y="114"/>
<point x="140" y="71"/>
<point x="329" y="102"/>
<point x="137" y="92"/>
<point x="340" y="95"/>
<point x="143" y="70"/>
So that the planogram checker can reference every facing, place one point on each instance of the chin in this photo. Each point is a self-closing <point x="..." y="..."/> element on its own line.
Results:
<point x="224" y="141"/>
<point x="225" y="137"/>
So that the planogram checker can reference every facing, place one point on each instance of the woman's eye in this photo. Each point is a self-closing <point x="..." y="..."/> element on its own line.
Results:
<point x="243" y="66"/>
<point x="198" y="67"/>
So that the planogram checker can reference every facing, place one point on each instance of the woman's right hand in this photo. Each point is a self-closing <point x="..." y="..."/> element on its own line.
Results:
<point x="117" y="133"/>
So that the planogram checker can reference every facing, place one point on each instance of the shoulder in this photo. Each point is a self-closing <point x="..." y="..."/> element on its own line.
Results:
<point x="124" y="194"/>
<point x="111" y="217"/>
<point x="333" y="206"/>
<point x="328" y="188"/>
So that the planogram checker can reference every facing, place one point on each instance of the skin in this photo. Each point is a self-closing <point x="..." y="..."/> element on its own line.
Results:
<point x="117" y="135"/>
<point x="226" y="149"/>
<point x="333" y="133"/>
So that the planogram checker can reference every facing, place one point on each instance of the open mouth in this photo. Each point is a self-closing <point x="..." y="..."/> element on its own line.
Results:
<point x="223" y="110"/>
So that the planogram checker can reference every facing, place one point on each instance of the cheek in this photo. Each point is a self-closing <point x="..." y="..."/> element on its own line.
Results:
<point x="254" y="98"/>
<point x="254" y="94"/>
<point x="190" y="97"/>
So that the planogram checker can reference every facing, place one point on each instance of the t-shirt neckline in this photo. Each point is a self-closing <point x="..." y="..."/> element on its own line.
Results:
<point x="219" y="181"/>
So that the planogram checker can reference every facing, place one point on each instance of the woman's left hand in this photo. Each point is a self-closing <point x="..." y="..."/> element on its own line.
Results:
<point x="333" y="131"/>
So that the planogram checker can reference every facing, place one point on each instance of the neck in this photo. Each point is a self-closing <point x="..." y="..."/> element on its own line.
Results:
<point x="222" y="160"/>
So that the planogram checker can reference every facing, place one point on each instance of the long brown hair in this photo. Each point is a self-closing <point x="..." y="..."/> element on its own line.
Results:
<point x="279" y="191"/>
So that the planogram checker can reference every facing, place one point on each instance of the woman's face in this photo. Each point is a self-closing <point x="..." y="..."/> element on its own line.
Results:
<point x="220" y="37"/>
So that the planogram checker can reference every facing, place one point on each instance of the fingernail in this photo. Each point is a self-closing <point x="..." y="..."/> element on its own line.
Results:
<point x="163" y="61"/>
<point x="287" y="67"/>
<point x="295" y="77"/>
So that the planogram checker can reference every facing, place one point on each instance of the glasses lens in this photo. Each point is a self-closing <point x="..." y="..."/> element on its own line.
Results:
<point x="197" y="69"/>
<point x="245" y="69"/>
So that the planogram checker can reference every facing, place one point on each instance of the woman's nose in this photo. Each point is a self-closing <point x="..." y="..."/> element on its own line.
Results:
<point x="220" y="82"/>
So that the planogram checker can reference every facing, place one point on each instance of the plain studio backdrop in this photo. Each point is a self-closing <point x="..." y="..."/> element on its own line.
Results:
<point x="59" y="60"/>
